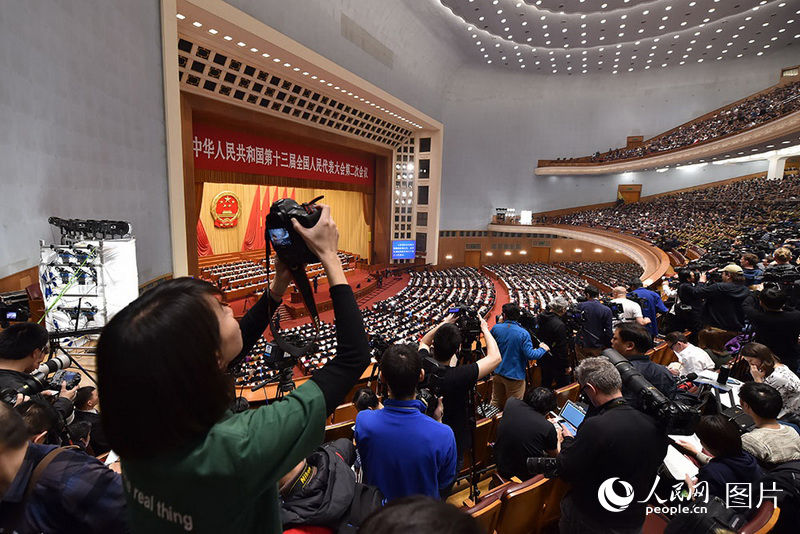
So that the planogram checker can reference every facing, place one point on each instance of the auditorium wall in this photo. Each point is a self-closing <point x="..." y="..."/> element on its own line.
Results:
<point x="498" y="123"/>
<point x="81" y="104"/>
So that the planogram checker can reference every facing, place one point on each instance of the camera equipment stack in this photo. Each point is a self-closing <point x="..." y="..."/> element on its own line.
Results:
<point x="89" y="276"/>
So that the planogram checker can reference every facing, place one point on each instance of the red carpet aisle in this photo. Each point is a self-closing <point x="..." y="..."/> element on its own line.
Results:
<point x="501" y="297"/>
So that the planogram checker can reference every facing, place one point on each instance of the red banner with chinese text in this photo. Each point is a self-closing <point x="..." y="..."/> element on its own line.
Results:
<point x="225" y="150"/>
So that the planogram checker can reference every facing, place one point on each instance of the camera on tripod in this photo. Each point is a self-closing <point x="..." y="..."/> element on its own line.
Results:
<point x="615" y="307"/>
<point x="37" y="381"/>
<point x="377" y="346"/>
<point x="467" y="321"/>
<point x="574" y="318"/>
<point x="12" y="312"/>
<point x="430" y="388"/>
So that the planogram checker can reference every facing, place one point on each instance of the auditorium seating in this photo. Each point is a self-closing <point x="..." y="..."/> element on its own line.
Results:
<point x="403" y="317"/>
<point x="241" y="278"/>
<point x="535" y="285"/>
<point x="606" y="272"/>
<point x="701" y="217"/>
<point x="732" y="119"/>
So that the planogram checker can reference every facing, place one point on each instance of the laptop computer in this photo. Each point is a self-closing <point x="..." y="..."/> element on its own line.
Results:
<point x="571" y="415"/>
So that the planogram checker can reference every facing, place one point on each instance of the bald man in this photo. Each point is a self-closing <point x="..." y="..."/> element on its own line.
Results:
<point x="631" y="311"/>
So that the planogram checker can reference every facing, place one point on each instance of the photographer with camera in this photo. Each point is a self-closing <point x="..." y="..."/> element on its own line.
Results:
<point x="192" y="464"/>
<point x="517" y="350"/>
<point x="23" y="347"/>
<point x="457" y="381"/>
<point x="403" y="451"/>
<point x="723" y="300"/>
<point x="631" y="311"/>
<point x="554" y="333"/>
<point x="632" y="341"/>
<point x="651" y="303"/>
<point x="596" y="330"/>
<point x="688" y="308"/>
<point x="775" y="327"/>
<point x="603" y="450"/>
<point x="45" y="488"/>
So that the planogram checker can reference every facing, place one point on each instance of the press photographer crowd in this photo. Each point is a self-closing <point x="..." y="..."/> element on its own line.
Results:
<point x="578" y="411"/>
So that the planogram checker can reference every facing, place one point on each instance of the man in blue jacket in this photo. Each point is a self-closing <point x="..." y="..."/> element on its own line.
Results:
<point x="516" y="349"/>
<point x="652" y="304"/>
<point x="403" y="451"/>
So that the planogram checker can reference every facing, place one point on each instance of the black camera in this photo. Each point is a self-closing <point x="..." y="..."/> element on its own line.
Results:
<point x="530" y="323"/>
<point x="377" y="346"/>
<point x="574" y="318"/>
<point x="616" y="308"/>
<point x="467" y="321"/>
<point x="37" y="381"/>
<point x="674" y="417"/>
<point x="542" y="465"/>
<point x="430" y="388"/>
<point x="288" y="244"/>
<point x="12" y="312"/>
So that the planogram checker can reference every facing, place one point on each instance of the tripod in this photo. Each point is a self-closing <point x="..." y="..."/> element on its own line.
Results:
<point x="284" y="379"/>
<point x="467" y="355"/>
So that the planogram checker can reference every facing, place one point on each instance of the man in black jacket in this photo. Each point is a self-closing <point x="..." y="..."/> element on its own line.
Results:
<point x="23" y="347"/>
<point x="775" y="327"/>
<point x="322" y="491"/>
<point x="723" y="308"/>
<point x="633" y="341"/>
<point x="595" y="335"/>
<point x="612" y="461"/>
<point x="553" y="332"/>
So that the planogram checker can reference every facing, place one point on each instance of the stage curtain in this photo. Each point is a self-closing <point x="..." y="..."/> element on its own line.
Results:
<point x="260" y="243"/>
<point x="203" y="245"/>
<point x="250" y="241"/>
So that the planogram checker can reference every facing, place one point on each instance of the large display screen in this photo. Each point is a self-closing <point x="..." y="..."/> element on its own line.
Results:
<point x="404" y="249"/>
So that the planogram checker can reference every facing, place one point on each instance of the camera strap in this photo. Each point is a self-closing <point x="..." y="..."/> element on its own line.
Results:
<point x="301" y="282"/>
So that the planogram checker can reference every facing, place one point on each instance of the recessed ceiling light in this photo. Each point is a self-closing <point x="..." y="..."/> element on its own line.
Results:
<point x="276" y="60"/>
<point x="254" y="49"/>
<point x="181" y="17"/>
<point x="196" y="24"/>
<point x="240" y="43"/>
<point x="212" y="31"/>
<point x="228" y="38"/>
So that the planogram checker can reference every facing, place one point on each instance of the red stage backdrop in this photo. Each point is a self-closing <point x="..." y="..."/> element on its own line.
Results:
<point x="225" y="150"/>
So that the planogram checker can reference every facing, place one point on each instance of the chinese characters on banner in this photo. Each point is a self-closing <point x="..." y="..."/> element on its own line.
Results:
<point x="225" y="150"/>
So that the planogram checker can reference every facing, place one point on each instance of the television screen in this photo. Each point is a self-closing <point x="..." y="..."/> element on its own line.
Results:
<point x="404" y="249"/>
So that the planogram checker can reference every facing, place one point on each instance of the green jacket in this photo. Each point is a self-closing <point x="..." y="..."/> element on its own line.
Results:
<point x="227" y="482"/>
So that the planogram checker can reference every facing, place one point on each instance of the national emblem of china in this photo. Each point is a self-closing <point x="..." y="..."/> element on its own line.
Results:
<point x="225" y="209"/>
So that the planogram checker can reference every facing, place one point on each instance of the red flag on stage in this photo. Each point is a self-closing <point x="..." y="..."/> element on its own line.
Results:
<point x="251" y="234"/>
<point x="275" y="197"/>
<point x="292" y="196"/>
<point x="285" y="193"/>
<point x="203" y="244"/>
<point x="260" y="243"/>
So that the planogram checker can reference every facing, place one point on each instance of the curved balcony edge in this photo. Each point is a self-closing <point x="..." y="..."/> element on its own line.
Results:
<point x="760" y="134"/>
<point x="652" y="259"/>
